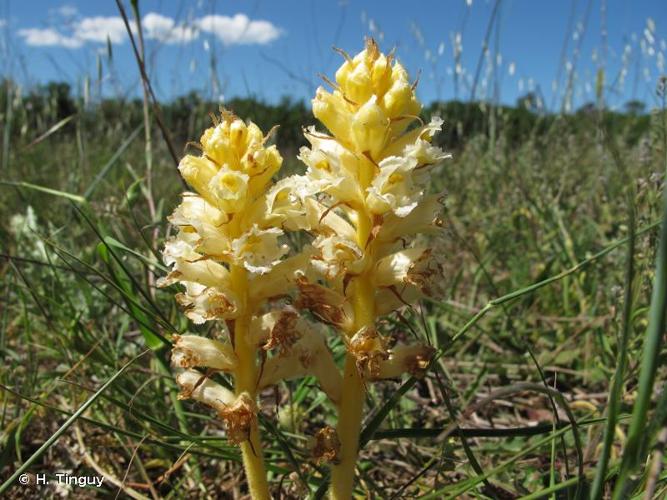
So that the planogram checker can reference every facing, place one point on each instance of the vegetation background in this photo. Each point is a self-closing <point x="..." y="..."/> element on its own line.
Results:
<point x="551" y="380"/>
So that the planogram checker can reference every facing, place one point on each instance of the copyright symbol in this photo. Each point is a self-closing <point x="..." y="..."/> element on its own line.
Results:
<point x="24" y="478"/>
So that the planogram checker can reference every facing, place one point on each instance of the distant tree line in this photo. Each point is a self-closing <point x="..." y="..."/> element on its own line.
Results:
<point x="187" y="115"/>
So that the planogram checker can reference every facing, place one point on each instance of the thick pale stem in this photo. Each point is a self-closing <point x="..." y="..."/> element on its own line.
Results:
<point x="349" y="426"/>
<point x="352" y="399"/>
<point x="245" y="380"/>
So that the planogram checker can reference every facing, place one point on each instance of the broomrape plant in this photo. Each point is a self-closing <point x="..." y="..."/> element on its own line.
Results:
<point x="363" y="199"/>
<point x="228" y="256"/>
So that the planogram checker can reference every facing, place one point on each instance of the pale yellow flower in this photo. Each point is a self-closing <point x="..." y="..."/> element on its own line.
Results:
<point x="192" y="351"/>
<point x="196" y="215"/>
<point x="337" y="256"/>
<point x="307" y="354"/>
<point x="229" y="189"/>
<point x="258" y="249"/>
<point x="413" y="267"/>
<point x="394" y="188"/>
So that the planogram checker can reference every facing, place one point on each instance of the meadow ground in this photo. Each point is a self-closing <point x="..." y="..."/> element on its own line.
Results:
<point x="551" y="233"/>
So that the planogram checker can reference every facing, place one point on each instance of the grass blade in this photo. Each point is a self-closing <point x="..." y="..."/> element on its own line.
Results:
<point x="51" y="131"/>
<point x="112" y="161"/>
<point x="637" y="437"/>
<point x="56" y="435"/>
<point x="73" y="197"/>
<point x="617" y="384"/>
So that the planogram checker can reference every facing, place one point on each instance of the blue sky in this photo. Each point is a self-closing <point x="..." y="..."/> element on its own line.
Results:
<point x="273" y="48"/>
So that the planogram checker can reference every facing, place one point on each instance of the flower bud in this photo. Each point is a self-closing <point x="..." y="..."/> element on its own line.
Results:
<point x="332" y="111"/>
<point x="369" y="128"/>
<point x="198" y="172"/>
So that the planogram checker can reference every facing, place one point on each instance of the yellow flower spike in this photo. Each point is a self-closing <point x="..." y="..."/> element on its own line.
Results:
<point x="229" y="257"/>
<point x="374" y="176"/>
<point x="226" y="255"/>
<point x="363" y="198"/>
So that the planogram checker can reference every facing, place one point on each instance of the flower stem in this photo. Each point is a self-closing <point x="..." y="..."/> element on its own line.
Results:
<point x="349" y="427"/>
<point x="246" y="381"/>
<point x="352" y="399"/>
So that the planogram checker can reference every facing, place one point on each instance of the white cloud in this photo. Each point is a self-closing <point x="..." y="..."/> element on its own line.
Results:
<point x="164" y="29"/>
<point x="47" y="37"/>
<point x="3" y="23"/>
<point x="97" y="29"/>
<point x="236" y="30"/>
<point x="239" y="30"/>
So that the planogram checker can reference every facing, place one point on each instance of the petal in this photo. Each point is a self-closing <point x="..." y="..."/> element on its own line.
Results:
<point x="415" y="267"/>
<point x="195" y="385"/>
<point x="424" y="218"/>
<point x="394" y="188"/>
<point x="279" y="280"/>
<point x="191" y="351"/>
<point x="258" y="250"/>
<point x="309" y="355"/>
<point x="229" y="189"/>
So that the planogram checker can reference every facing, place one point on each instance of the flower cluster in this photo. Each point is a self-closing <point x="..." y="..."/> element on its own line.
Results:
<point x="364" y="201"/>
<point x="229" y="258"/>
<point x="370" y="177"/>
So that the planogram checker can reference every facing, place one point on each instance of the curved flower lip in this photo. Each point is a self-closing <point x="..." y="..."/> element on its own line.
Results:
<point x="292" y="205"/>
<point x="229" y="189"/>
<point x="411" y="267"/>
<point x="394" y="188"/>
<point x="278" y="281"/>
<point x="238" y="412"/>
<point x="192" y="351"/>
<point x="258" y="250"/>
<point x="197" y="215"/>
<point x="203" y="304"/>
<point x="337" y="256"/>
<point x="189" y="265"/>
<point x="287" y="202"/>
<point x="423" y="133"/>
<point x="332" y="166"/>
<point x="195" y="385"/>
<point x="424" y="218"/>
<point x="194" y="211"/>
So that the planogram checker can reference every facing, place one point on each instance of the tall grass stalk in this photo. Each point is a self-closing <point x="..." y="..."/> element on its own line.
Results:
<point x="637" y="442"/>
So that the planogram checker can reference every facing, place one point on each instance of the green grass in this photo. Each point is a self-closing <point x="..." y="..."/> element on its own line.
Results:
<point x="549" y="375"/>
